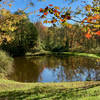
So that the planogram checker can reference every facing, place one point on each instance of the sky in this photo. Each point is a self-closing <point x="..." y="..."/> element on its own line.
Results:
<point x="22" y="4"/>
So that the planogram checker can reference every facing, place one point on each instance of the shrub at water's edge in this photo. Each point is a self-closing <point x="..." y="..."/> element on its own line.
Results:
<point x="6" y="64"/>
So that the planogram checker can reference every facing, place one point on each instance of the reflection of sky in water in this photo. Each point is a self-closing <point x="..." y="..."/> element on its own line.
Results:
<point x="51" y="75"/>
<point x="86" y="75"/>
<point x="58" y="75"/>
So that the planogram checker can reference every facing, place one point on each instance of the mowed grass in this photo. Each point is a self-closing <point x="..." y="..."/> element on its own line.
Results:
<point x="11" y="90"/>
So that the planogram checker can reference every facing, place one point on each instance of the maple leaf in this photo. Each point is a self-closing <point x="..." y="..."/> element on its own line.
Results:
<point x="50" y="5"/>
<point x="57" y="7"/>
<point x="88" y="36"/>
<point x="10" y="5"/>
<point x="41" y="10"/>
<point x="45" y="13"/>
<point x="98" y="33"/>
<point x="55" y="11"/>
<point x="61" y="20"/>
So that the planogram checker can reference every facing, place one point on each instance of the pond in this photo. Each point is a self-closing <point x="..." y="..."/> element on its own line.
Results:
<point x="55" y="69"/>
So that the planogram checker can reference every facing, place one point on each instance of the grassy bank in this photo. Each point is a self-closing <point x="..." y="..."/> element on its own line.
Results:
<point x="6" y="64"/>
<point x="49" y="91"/>
<point x="62" y="54"/>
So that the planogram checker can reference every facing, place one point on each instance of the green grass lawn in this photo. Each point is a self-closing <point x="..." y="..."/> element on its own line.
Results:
<point x="12" y="90"/>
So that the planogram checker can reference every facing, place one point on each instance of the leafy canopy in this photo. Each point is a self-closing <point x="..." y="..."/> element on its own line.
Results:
<point x="90" y="23"/>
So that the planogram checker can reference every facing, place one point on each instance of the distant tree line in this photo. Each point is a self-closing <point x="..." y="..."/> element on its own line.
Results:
<point x="65" y="38"/>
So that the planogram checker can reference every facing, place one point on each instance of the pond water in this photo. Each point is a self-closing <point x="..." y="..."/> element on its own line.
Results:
<point x="55" y="69"/>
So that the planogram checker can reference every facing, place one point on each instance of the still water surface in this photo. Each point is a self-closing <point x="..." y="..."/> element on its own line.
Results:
<point x="55" y="69"/>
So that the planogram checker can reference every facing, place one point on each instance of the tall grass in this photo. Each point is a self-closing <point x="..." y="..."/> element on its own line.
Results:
<point x="6" y="63"/>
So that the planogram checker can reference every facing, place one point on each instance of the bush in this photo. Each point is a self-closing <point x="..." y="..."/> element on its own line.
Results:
<point x="6" y="63"/>
<point x="14" y="48"/>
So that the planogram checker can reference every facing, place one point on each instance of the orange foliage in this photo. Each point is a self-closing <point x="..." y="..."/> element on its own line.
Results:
<point x="98" y="33"/>
<point x="45" y="13"/>
<point x="41" y="10"/>
<point x="88" y="35"/>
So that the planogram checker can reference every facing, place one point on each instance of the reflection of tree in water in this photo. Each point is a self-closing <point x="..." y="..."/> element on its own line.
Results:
<point x="72" y="68"/>
<point x="25" y="70"/>
<point x="69" y="68"/>
<point x="78" y="67"/>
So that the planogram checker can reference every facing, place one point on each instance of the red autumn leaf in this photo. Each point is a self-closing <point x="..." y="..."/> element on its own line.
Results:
<point x="41" y="10"/>
<point x="94" y="18"/>
<point x="55" y="11"/>
<point x="61" y="20"/>
<point x="45" y="13"/>
<point x="97" y="16"/>
<point x="88" y="36"/>
<point x="98" y="33"/>
<point x="50" y="5"/>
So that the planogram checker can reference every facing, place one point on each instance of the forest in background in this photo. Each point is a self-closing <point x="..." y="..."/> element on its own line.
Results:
<point x="19" y="35"/>
<point x="35" y="37"/>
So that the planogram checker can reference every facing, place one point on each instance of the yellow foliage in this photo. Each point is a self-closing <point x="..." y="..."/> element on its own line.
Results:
<point x="88" y="7"/>
<point x="8" y="21"/>
<point x="56" y="7"/>
<point x="98" y="26"/>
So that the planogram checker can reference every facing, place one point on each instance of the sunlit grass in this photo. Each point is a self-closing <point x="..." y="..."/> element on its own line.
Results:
<point x="63" y="53"/>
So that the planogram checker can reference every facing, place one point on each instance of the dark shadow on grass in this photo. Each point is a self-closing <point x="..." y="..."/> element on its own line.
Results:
<point x="39" y="93"/>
